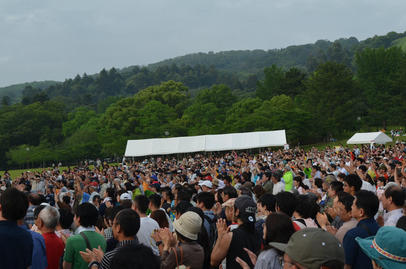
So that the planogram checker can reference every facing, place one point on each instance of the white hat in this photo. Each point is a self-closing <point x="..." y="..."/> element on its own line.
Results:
<point x="125" y="196"/>
<point x="189" y="225"/>
<point x="206" y="183"/>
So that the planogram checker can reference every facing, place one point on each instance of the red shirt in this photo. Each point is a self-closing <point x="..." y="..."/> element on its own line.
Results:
<point x="54" y="247"/>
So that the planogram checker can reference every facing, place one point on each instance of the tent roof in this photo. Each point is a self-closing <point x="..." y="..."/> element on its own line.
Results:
<point x="368" y="138"/>
<point x="220" y="142"/>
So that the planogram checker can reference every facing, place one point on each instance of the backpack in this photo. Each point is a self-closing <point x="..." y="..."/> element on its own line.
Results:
<point x="213" y="230"/>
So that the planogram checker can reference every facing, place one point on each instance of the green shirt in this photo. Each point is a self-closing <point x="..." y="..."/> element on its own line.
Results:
<point x="288" y="178"/>
<point x="76" y="243"/>
<point x="308" y="172"/>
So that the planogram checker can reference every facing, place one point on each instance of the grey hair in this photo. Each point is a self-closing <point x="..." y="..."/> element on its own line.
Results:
<point x="49" y="216"/>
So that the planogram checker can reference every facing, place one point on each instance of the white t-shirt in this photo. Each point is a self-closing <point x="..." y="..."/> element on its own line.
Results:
<point x="367" y="186"/>
<point x="278" y="187"/>
<point x="147" y="227"/>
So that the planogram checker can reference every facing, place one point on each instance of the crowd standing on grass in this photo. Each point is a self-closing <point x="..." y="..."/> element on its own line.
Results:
<point x="332" y="208"/>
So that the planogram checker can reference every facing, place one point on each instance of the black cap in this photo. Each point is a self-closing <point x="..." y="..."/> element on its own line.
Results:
<point x="247" y="208"/>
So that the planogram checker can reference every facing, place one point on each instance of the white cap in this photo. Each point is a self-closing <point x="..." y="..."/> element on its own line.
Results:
<point x="125" y="196"/>
<point x="206" y="183"/>
<point x="221" y="185"/>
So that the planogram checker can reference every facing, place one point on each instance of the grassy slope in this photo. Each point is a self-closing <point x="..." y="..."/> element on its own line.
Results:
<point x="401" y="42"/>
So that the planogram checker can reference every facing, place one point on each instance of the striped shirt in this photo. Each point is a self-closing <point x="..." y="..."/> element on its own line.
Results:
<point x="108" y="256"/>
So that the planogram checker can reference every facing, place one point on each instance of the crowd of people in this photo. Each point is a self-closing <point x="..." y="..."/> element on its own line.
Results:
<point x="331" y="208"/>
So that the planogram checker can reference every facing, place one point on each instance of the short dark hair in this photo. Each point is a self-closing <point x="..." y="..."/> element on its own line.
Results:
<point x="126" y="203"/>
<point x="88" y="214"/>
<point x="37" y="210"/>
<point x="318" y="182"/>
<point x="268" y="201"/>
<point x="397" y="194"/>
<point x="129" y="221"/>
<point x="184" y="194"/>
<point x="286" y="202"/>
<point x="160" y="217"/>
<point x="155" y="199"/>
<point x="135" y="256"/>
<point x="230" y="191"/>
<point x="346" y="199"/>
<point x="14" y="204"/>
<point x="279" y="228"/>
<point x="111" y="212"/>
<point x="336" y="186"/>
<point x="65" y="218"/>
<point x="182" y="207"/>
<point x="353" y="180"/>
<point x="368" y="201"/>
<point x="363" y="168"/>
<point x="168" y="192"/>
<point x="66" y="199"/>
<point x="142" y="203"/>
<point x="207" y="198"/>
<point x="306" y="206"/>
<point x="34" y="199"/>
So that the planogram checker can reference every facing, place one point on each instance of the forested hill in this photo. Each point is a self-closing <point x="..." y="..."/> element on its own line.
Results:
<point x="302" y="56"/>
<point x="348" y="86"/>
<point x="237" y="69"/>
<point x="14" y="92"/>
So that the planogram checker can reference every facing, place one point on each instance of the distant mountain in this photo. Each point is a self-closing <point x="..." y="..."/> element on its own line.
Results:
<point x="302" y="56"/>
<point x="225" y="65"/>
<point x="14" y="92"/>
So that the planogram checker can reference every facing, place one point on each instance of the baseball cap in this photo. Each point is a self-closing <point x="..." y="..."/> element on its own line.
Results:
<point x="312" y="247"/>
<point x="156" y="185"/>
<point x="189" y="225"/>
<point x="125" y="196"/>
<point x="387" y="248"/>
<point x="247" y="208"/>
<point x="206" y="183"/>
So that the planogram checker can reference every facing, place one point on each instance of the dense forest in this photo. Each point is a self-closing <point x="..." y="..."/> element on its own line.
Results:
<point x="343" y="90"/>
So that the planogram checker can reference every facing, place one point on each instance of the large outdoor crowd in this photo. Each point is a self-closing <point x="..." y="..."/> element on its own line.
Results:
<point x="331" y="208"/>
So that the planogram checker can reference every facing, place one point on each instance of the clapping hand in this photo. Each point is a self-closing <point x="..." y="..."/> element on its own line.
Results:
<point x="222" y="228"/>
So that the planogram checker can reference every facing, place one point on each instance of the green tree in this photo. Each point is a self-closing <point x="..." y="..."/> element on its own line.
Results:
<point x="332" y="98"/>
<point x="271" y="85"/>
<point x="76" y="119"/>
<point x="379" y="72"/>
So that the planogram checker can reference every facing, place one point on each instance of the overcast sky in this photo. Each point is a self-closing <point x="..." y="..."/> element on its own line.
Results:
<point x="54" y="40"/>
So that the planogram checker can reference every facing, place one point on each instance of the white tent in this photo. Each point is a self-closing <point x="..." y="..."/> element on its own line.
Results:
<point x="235" y="141"/>
<point x="369" y="138"/>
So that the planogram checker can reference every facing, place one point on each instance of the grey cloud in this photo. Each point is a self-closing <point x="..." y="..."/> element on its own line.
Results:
<point x="57" y="39"/>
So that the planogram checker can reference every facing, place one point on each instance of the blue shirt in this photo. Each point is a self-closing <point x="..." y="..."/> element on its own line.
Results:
<point x="39" y="254"/>
<point x="16" y="246"/>
<point x="354" y="256"/>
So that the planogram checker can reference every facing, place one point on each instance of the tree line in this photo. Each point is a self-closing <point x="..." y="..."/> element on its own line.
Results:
<point x="94" y="116"/>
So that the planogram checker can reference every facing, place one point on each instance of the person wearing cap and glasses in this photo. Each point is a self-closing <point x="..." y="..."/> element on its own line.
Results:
<point x="311" y="248"/>
<point x="230" y="245"/>
<point x="387" y="249"/>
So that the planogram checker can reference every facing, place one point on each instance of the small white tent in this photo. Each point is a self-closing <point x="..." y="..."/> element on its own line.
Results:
<point x="369" y="138"/>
